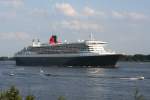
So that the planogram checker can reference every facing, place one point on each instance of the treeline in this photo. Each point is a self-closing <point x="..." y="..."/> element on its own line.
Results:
<point x="6" y="58"/>
<point x="136" y="58"/>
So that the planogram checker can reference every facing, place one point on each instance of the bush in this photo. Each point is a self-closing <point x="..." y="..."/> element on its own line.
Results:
<point x="10" y="94"/>
<point x="30" y="97"/>
<point x="13" y="94"/>
<point x="61" y="98"/>
<point x="138" y="96"/>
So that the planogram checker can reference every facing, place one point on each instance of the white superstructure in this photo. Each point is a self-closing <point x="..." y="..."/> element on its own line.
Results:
<point x="97" y="47"/>
<point x="82" y="48"/>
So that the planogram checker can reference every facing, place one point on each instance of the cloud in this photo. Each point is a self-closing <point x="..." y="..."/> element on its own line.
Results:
<point x="39" y="12"/>
<point x="7" y="15"/>
<point x="14" y="36"/>
<point x="66" y="9"/>
<point x="137" y="16"/>
<point x="87" y="11"/>
<point x="129" y="15"/>
<point x="82" y="25"/>
<point x="118" y="15"/>
<point x="12" y="3"/>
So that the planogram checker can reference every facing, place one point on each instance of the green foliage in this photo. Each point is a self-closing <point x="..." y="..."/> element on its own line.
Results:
<point x="138" y="96"/>
<point x="14" y="94"/>
<point x="10" y="94"/>
<point x="30" y="97"/>
<point x="3" y="96"/>
<point x="61" y="98"/>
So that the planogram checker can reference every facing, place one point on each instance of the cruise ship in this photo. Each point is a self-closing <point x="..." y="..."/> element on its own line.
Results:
<point x="84" y="53"/>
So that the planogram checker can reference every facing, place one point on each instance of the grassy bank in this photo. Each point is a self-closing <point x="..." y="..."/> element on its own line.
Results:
<point x="13" y="94"/>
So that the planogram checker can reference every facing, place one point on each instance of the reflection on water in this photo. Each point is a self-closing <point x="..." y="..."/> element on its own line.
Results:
<point x="95" y="70"/>
<point x="78" y="83"/>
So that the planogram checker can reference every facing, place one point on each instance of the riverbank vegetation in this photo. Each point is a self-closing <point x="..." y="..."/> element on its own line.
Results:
<point x="138" y="95"/>
<point x="13" y="94"/>
<point x="5" y="58"/>
<point x="135" y="58"/>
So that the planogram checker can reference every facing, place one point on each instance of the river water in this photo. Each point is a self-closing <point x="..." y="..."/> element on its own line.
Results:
<point x="48" y="83"/>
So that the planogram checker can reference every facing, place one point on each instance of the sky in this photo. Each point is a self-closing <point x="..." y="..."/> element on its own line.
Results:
<point x="124" y="24"/>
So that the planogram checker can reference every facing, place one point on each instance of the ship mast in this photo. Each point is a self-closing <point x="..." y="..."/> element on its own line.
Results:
<point x="91" y="37"/>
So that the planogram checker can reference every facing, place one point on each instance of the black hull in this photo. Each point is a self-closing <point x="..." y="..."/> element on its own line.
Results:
<point x="94" y="61"/>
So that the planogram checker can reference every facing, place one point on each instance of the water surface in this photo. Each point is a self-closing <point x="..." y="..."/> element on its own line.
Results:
<point x="77" y="83"/>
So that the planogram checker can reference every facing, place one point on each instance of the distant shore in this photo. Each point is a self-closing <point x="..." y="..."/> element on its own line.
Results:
<point x="128" y="58"/>
<point x="5" y="58"/>
<point x="135" y="58"/>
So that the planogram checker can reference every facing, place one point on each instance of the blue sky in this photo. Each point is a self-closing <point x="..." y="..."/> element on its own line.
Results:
<point x="124" y="24"/>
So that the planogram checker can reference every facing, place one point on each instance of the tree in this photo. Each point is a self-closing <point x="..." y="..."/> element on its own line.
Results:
<point x="30" y="97"/>
<point x="10" y="94"/>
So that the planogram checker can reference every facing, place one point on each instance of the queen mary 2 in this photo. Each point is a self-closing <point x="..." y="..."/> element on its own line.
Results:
<point x="82" y="53"/>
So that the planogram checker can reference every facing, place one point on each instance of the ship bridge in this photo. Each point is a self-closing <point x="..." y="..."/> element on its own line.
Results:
<point x="97" y="47"/>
